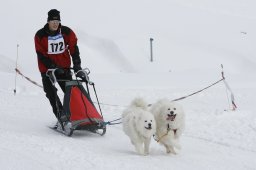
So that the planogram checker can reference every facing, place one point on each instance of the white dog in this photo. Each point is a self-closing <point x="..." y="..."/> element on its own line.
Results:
<point x="170" y="123"/>
<point x="139" y="125"/>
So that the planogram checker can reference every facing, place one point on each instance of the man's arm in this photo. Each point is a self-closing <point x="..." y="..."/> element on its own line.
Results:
<point x="40" y="54"/>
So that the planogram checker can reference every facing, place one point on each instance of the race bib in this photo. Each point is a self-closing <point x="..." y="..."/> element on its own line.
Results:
<point x="56" y="44"/>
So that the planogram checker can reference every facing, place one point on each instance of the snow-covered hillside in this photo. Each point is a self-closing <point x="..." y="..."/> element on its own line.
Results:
<point x="191" y="41"/>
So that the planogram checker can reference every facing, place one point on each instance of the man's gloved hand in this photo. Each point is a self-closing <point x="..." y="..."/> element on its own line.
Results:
<point x="81" y="75"/>
<point x="59" y="71"/>
<point x="77" y="68"/>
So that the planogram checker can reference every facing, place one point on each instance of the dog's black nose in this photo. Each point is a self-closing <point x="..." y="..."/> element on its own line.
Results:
<point x="149" y="125"/>
<point x="172" y="112"/>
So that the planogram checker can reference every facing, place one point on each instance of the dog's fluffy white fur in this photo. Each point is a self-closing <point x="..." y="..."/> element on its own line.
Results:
<point x="170" y="123"/>
<point x="139" y="125"/>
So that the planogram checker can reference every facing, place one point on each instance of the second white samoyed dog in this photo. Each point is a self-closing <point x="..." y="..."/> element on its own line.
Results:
<point x="170" y="123"/>
<point x="139" y="125"/>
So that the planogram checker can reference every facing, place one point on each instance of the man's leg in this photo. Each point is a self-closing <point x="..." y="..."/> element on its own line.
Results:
<point x="66" y="76"/>
<point x="51" y="94"/>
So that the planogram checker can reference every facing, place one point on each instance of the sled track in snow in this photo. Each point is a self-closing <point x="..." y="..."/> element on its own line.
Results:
<point x="218" y="143"/>
<point x="252" y="128"/>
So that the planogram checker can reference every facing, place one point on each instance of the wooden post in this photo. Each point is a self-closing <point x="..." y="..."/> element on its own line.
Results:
<point x="151" y="49"/>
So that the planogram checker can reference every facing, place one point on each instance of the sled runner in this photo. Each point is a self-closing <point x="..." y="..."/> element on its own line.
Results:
<point x="78" y="109"/>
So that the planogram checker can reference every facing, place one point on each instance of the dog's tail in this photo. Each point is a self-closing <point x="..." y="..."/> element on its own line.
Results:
<point x="139" y="102"/>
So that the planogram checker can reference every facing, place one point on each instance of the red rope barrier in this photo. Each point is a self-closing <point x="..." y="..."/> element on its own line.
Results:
<point x="35" y="83"/>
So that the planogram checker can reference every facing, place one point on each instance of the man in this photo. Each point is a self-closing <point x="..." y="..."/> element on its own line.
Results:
<point x="55" y="46"/>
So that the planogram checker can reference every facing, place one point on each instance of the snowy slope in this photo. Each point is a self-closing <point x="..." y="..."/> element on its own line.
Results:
<point x="191" y="41"/>
<point x="214" y="139"/>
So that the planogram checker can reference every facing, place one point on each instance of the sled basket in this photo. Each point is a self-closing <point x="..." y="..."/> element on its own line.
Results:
<point x="80" y="109"/>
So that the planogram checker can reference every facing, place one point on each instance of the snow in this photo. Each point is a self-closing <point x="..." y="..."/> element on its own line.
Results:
<point x="191" y="41"/>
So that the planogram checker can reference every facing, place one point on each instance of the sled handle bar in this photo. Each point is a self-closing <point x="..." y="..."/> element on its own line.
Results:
<point x="51" y="74"/>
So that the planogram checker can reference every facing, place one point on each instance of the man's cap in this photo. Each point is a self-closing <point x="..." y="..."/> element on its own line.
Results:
<point x="53" y="14"/>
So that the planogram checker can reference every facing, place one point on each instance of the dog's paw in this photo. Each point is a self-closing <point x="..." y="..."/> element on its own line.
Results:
<point x="141" y="153"/>
<point x="146" y="153"/>
<point x="139" y="150"/>
<point x="171" y="150"/>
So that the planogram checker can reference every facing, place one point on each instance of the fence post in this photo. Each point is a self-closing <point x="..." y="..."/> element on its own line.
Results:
<point x="151" y="49"/>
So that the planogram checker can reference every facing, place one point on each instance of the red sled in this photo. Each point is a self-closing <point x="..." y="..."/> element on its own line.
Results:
<point x="80" y="109"/>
